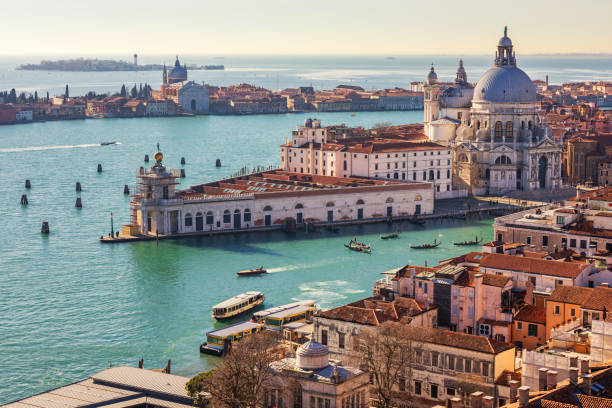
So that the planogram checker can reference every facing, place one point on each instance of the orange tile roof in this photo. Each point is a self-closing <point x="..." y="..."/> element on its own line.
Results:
<point x="600" y="299"/>
<point x="532" y="314"/>
<point x="531" y="265"/>
<point x="575" y="295"/>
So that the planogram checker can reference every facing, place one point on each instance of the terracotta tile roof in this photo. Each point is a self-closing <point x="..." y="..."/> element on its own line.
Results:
<point x="600" y="298"/>
<point x="372" y="311"/>
<point x="495" y="280"/>
<point x="532" y="314"/>
<point x="589" y="401"/>
<point x="534" y="254"/>
<point x="503" y="378"/>
<point x="555" y="404"/>
<point x="457" y="340"/>
<point x="575" y="295"/>
<point x="531" y="265"/>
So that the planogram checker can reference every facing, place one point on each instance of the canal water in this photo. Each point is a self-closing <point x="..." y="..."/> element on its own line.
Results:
<point x="70" y="306"/>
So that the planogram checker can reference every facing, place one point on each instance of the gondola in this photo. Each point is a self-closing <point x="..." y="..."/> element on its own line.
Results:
<point x="390" y="236"/>
<point x="356" y="248"/>
<point x="426" y="246"/>
<point x="256" y="271"/>
<point x="354" y="242"/>
<point x="464" y="243"/>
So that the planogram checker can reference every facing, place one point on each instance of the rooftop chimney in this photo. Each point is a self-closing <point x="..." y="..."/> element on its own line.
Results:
<point x="573" y="361"/>
<point x="605" y="284"/>
<point x="551" y="380"/>
<point x="476" y="398"/>
<point x="487" y="401"/>
<point x="542" y="378"/>
<point x="587" y="382"/>
<point x="584" y="366"/>
<point x="523" y="396"/>
<point x="573" y="375"/>
<point x="514" y="385"/>
<point x="456" y="402"/>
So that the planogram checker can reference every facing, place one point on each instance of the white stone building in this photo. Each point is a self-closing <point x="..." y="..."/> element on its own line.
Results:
<point x="272" y="199"/>
<point x="312" y="151"/>
<point x="497" y="139"/>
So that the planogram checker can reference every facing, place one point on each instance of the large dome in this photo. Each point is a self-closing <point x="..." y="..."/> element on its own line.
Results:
<point x="505" y="84"/>
<point x="312" y="356"/>
<point x="177" y="73"/>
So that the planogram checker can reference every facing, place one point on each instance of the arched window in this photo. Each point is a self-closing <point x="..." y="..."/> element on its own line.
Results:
<point x="498" y="131"/>
<point x="299" y="205"/>
<point x="267" y="208"/>
<point x="503" y="160"/>
<point x="199" y="222"/>
<point x="330" y="204"/>
<point x="530" y="125"/>
<point x="522" y="124"/>
<point x="360" y="202"/>
<point x="210" y="218"/>
<point x="463" y="158"/>
<point x="189" y="220"/>
<point x="389" y="200"/>
<point x="227" y="217"/>
<point x="509" y="130"/>
<point x="418" y="197"/>
<point x="247" y="215"/>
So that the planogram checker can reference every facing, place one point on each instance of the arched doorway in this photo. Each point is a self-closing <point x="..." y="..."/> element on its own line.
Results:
<point x="236" y="219"/>
<point x="193" y="105"/>
<point x="542" y="166"/>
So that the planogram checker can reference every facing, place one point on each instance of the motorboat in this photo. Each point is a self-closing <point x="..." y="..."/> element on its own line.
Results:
<point x="108" y="143"/>
<point x="256" y="271"/>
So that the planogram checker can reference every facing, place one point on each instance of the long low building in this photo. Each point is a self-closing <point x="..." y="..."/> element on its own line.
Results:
<point x="268" y="199"/>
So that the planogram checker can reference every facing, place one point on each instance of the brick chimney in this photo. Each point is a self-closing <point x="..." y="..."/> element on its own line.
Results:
<point x="573" y="375"/>
<point x="573" y="361"/>
<point x="523" y="396"/>
<point x="528" y="293"/>
<point x="587" y="382"/>
<point x="551" y="380"/>
<point x="488" y="401"/>
<point x="514" y="385"/>
<point x="476" y="398"/>
<point x="584" y="366"/>
<point x="456" y="402"/>
<point x="542" y="379"/>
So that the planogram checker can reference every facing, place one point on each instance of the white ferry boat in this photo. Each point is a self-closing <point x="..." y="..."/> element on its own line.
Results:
<point x="276" y="317"/>
<point x="237" y="305"/>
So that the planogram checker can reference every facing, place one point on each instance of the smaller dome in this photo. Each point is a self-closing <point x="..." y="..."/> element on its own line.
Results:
<point x="505" y="42"/>
<point x="483" y="134"/>
<point x="312" y="356"/>
<point x="178" y="73"/>
<point x="466" y="133"/>
<point x="432" y="77"/>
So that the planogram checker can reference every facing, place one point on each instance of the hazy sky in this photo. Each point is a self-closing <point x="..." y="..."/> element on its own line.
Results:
<point x="96" y="27"/>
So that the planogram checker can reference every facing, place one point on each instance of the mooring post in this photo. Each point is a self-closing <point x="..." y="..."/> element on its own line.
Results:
<point x="78" y="186"/>
<point x="99" y="168"/>
<point x="146" y="158"/>
<point x="78" y="203"/>
<point x="24" y="199"/>
<point x="218" y="163"/>
<point x="182" y="173"/>
<point x="126" y="189"/>
<point x="183" y="161"/>
<point x="45" y="228"/>
<point x="27" y="184"/>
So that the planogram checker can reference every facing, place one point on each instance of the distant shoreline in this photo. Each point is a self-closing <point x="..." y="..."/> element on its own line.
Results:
<point x="96" y="65"/>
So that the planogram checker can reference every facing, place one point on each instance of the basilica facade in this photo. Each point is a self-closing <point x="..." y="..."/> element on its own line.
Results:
<point x="190" y="95"/>
<point x="493" y="129"/>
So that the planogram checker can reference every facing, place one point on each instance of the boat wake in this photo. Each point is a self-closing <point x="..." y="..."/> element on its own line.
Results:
<point x="40" y="148"/>
<point x="296" y="267"/>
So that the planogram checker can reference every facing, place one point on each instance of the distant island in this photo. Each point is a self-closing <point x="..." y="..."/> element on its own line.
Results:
<point x="92" y="65"/>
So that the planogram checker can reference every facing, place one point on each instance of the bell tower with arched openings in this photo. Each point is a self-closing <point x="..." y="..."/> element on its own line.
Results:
<point x="431" y="103"/>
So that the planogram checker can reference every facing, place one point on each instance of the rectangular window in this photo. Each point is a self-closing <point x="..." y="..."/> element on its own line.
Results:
<point x="573" y="312"/>
<point x="417" y="387"/>
<point x="528" y="240"/>
<point x="326" y="403"/>
<point x="451" y="362"/>
<point x="519" y="325"/>
<point x="414" y="176"/>
<point x="560" y="219"/>
<point x="320" y="402"/>
<point x="485" y="369"/>
<point x="545" y="240"/>
<point x="532" y="330"/>
<point x="324" y="337"/>
<point x="247" y="216"/>
<point x="402" y="384"/>
<point x="425" y="288"/>
<point x="573" y="243"/>
<point x="595" y="316"/>
<point x="450" y="391"/>
<point x="434" y="359"/>
<point x="583" y="244"/>
<point x="557" y="309"/>
<point x="468" y="366"/>
<point x="341" y="340"/>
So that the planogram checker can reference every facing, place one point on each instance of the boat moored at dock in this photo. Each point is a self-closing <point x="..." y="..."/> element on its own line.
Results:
<point x="218" y="341"/>
<point x="237" y="305"/>
<point x="276" y="317"/>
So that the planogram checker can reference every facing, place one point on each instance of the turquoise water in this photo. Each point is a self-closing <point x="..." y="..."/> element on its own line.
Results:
<point x="69" y="306"/>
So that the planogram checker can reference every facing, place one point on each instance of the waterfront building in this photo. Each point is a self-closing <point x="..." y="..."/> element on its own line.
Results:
<point x="311" y="379"/>
<point x="190" y="95"/>
<point x="8" y="114"/>
<point x="117" y="387"/>
<point x="336" y="328"/>
<point x="313" y="150"/>
<point x="498" y="142"/>
<point x="268" y="200"/>
<point x="586" y="231"/>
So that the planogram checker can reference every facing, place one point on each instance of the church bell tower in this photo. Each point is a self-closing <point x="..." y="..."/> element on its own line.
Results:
<point x="431" y="102"/>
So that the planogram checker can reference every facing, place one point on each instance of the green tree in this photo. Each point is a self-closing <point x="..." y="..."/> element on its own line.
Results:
<point x="123" y="91"/>
<point x="12" y="97"/>
<point x="35" y="96"/>
<point x="67" y="93"/>
<point x="134" y="92"/>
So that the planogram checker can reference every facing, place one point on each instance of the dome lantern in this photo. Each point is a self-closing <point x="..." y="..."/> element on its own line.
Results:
<point x="432" y="77"/>
<point x="504" y="55"/>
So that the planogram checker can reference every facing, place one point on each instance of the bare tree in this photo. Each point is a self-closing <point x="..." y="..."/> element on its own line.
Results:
<point x="238" y="380"/>
<point x="386" y="353"/>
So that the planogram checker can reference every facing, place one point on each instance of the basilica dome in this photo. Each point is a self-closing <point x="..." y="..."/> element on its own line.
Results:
<point x="178" y="73"/>
<point x="505" y="84"/>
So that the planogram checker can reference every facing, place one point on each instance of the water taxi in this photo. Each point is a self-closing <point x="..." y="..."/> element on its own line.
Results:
<point x="276" y="317"/>
<point x="237" y="305"/>
<point x="218" y="340"/>
<point x="256" y="271"/>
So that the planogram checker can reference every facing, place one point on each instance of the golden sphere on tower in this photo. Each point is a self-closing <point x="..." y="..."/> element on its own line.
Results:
<point x="158" y="157"/>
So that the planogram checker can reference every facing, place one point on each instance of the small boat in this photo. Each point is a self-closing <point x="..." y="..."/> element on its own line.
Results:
<point x="416" y="221"/>
<point x="352" y="114"/>
<point x="359" y="248"/>
<point x="237" y="305"/>
<point x="256" y="271"/>
<point x="390" y="236"/>
<point x="426" y="246"/>
<point x="108" y="143"/>
<point x="354" y="242"/>
<point x="464" y="243"/>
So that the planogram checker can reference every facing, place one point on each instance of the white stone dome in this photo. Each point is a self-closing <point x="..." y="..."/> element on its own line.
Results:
<point x="432" y="77"/>
<point x="312" y="356"/>
<point x="505" y="84"/>
<point x="458" y="96"/>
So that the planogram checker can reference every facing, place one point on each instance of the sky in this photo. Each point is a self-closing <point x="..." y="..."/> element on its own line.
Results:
<point x="90" y="28"/>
